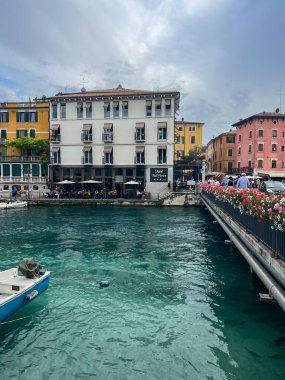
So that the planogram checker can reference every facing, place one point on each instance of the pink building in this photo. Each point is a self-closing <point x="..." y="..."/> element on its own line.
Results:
<point x="260" y="142"/>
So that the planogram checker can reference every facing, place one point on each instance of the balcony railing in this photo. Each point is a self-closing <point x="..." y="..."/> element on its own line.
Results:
<point x="55" y="138"/>
<point x="107" y="137"/>
<point x="140" y="137"/>
<point x="23" y="179"/>
<point x="86" y="161"/>
<point x="139" y="162"/>
<point x="245" y="169"/>
<point x="86" y="137"/>
<point x="19" y="159"/>
<point x="55" y="161"/>
<point x="106" y="162"/>
<point x="3" y="141"/>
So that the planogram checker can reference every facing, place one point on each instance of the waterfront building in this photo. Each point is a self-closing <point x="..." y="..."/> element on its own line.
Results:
<point x="220" y="154"/>
<point x="188" y="135"/>
<point x="261" y="144"/>
<point x="22" y="168"/>
<point x="114" y="136"/>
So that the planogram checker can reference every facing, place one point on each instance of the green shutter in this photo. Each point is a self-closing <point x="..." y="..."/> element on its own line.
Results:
<point x="16" y="170"/>
<point x="25" y="133"/>
<point x="36" y="170"/>
<point x="17" y="132"/>
<point x="27" y="116"/>
<point x="26" y="169"/>
<point x="32" y="133"/>
<point x="3" y="133"/>
<point x="18" y="117"/>
<point x="36" y="119"/>
<point x="7" y="117"/>
<point x="6" y="170"/>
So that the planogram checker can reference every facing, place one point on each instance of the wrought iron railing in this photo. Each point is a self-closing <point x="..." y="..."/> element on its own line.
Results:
<point x="273" y="238"/>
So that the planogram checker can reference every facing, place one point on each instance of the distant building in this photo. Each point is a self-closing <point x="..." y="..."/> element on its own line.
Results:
<point x="188" y="135"/>
<point x="220" y="153"/>
<point x="114" y="136"/>
<point x="22" y="168"/>
<point x="261" y="144"/>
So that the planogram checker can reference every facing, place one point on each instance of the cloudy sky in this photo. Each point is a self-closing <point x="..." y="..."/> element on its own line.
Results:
<point x="226" y="57"/>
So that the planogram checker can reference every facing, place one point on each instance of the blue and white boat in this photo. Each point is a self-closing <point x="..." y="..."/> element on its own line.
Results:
<point x="17" y="291"/>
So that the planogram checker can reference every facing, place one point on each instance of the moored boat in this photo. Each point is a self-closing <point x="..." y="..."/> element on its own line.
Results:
<point x="13" y="204"/>
<point x="16" y="290"/>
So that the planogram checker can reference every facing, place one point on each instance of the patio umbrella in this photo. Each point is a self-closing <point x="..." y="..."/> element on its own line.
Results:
<point x="132" y="183"/>
<point x="91" y="181"/>
<point x="65" y="182"/>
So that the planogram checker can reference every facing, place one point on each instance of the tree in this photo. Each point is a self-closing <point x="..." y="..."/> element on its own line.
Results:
<point x="39" y="146"/>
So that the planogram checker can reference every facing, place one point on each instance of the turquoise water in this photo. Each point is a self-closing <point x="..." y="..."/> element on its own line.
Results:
<point x="181" y="304"/>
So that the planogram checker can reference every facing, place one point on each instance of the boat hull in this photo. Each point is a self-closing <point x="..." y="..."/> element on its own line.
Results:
<point x="20" y="299"/>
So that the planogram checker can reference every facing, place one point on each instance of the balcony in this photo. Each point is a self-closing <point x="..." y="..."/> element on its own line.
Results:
<point x="55" y="138"/>
<point x="86" y="160"/>
<point x="139" y="137"/>
<point x="106" y="161"/>
<point x="55" y="161"/>
<point x="3" y="141"/>
<point x="245" y="169"/>
<point x="17" y="159"/>
<point x="86" y="137"/>
<point x="107" y="136"/>
<point x="139" y="162"/>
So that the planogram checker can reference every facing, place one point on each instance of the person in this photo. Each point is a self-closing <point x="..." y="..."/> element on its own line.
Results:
<point x="14" y="192"/>
<point x="236" y="180"/>
<point x="1" y="192"/>
<point x="243" y="182"/>
<point x="230" y="182"/>
<point x="225" y="181"/>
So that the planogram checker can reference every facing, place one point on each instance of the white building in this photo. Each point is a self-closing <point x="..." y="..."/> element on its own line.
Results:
<point x="114" y="136"/>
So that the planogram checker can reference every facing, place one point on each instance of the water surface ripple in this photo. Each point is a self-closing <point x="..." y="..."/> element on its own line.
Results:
<point x="181" y="304"/>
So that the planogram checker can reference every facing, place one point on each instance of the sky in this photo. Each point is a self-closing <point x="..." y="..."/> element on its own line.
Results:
<point x="226" y="57"/>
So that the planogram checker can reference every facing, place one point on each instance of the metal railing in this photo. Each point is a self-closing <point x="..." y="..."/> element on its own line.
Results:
<point x="263" y="231"/>
<point x="19" y="159"/>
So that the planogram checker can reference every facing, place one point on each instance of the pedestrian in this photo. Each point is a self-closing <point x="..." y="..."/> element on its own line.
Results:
<point x="14" y="192"/>
<point x="230" y="182"/>
<point x="1" y="192"/>
<point x="243" y="182"/>
<point x="225" y="181"/>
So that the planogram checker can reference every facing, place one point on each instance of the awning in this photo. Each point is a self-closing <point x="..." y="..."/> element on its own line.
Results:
<point x="271" y="173"/>
<point x="55" y="148"/>
<point x="167" y="102"/>
<point x="139" y="125"/>
<point x="54" y="127"/>
<point x="86" y="127"/>
<point x="162" y="147"/>
<point x="88" y="105"/>
<point x="108" y="149"/>
<point x="87" y="148"/>
<point x="79" y="105"/>
<point x="148" y="103"/>
<point x="158" y="101"/>
<point x="108" y="125"/>
<point x="124" y="103"/>
<point x="115" y="104"/>
<point x="139" y="148"/>
<point x="106" y="104"/>
<point x="162" y="125"/>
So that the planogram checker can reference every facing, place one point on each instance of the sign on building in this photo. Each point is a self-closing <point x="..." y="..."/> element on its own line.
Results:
<point x="158" y="175"/>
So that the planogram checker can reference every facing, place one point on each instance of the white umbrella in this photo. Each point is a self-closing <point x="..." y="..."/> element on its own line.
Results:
<point x="65" y="182"/>
<point x="132" y="183"/>
<point x="91" y="181"/>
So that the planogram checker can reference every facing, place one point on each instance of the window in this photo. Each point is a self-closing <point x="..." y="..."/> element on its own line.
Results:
<point x="274" y="132"/>
<point x="32" y="133"/>
<point x="106" y="109"/>
<point x="125" y="109"/>
<point x="108" y="155"/>
<point x="230" y="139"/>
<point x="3" y="136"/>
<point x="161" y="156"/>
<point x="180" y="153"/>
<point x="192" y="140"/>
<point x="115" y="109"/>
<point x="239" y="138"/>
<point x="180" y="140"/>
<point x="282" y="164"/>
<point x="192" y="129"/>
<point x="55" y="132"/>
<point x="249" y="148"/>
<point x="274" y="147"/>
<point x="20" y="133"/>
<point x="87" y="155"/>
<point x="274" y="164"/>
<point x="230" y="166"/>
<point x="180" y="129"/>
<point x="158" y="108"/>
<point x="79" y="110"/>
<point x="54" y="111"/>
<point x="260" y="133"/>
<point x="148" y="108"/>
<point x="250" y="134"/>
<point x="259" y="164"/>
<point x="260" y="147"/>
<point x="86" y="135"/>
<point x="239" y="150"/>
<point x="108" y="132"/>
<point x="230" y="152"/>
<point x="161" y="131"/>
<point x="282" y="148"/>
<point x="88" y="107"/>
<point x="21" y="117"/>
<point x="55" y="155"/>
<point x="4" y="117"/>
<point x="140" y="132"/>
<point x="249" y="163"/>
<point x="167" y="110"/>
<point x="139" y="155"/>
<point x="33" y="117"/>
<point x="63" y="111"/>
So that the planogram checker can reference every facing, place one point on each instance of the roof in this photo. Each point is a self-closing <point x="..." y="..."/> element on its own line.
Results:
<point x="264" y="115"/>
<point x="114" y="92"/>
<point x="189" y="122"/>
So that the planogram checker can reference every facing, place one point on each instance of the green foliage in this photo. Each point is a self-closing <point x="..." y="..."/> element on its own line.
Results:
<point x="40" y="146"/>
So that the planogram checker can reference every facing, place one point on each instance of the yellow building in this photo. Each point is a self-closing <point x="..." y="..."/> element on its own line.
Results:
<point x="188" y="135"/>
<point x="22" y="168"/>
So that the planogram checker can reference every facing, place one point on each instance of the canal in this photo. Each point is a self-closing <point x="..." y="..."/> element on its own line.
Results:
<point x="181" y="304"/>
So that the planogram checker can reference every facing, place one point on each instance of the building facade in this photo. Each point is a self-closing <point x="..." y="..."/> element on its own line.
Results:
<point x="261" y="144"/>
<point x="21" y="168"/>
<point x="188" y="135"/>
<point x="220" y="154"/>
<point x="113" y="136"/>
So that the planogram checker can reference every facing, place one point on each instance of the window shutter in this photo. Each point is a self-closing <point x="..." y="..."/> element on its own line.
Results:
<point x="18" y="117"/>
<point x="17" y="131"/>
<point x="27" y="116"/>
<point x="25" y="133"/>
<point x="3" y="134"/>
<point x="7" y="117"/>
<point x="32" y="133"/>
<point x="36" y="117"/>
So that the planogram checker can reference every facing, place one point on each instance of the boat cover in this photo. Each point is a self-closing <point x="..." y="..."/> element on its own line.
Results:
<point x="28" y="267"/>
